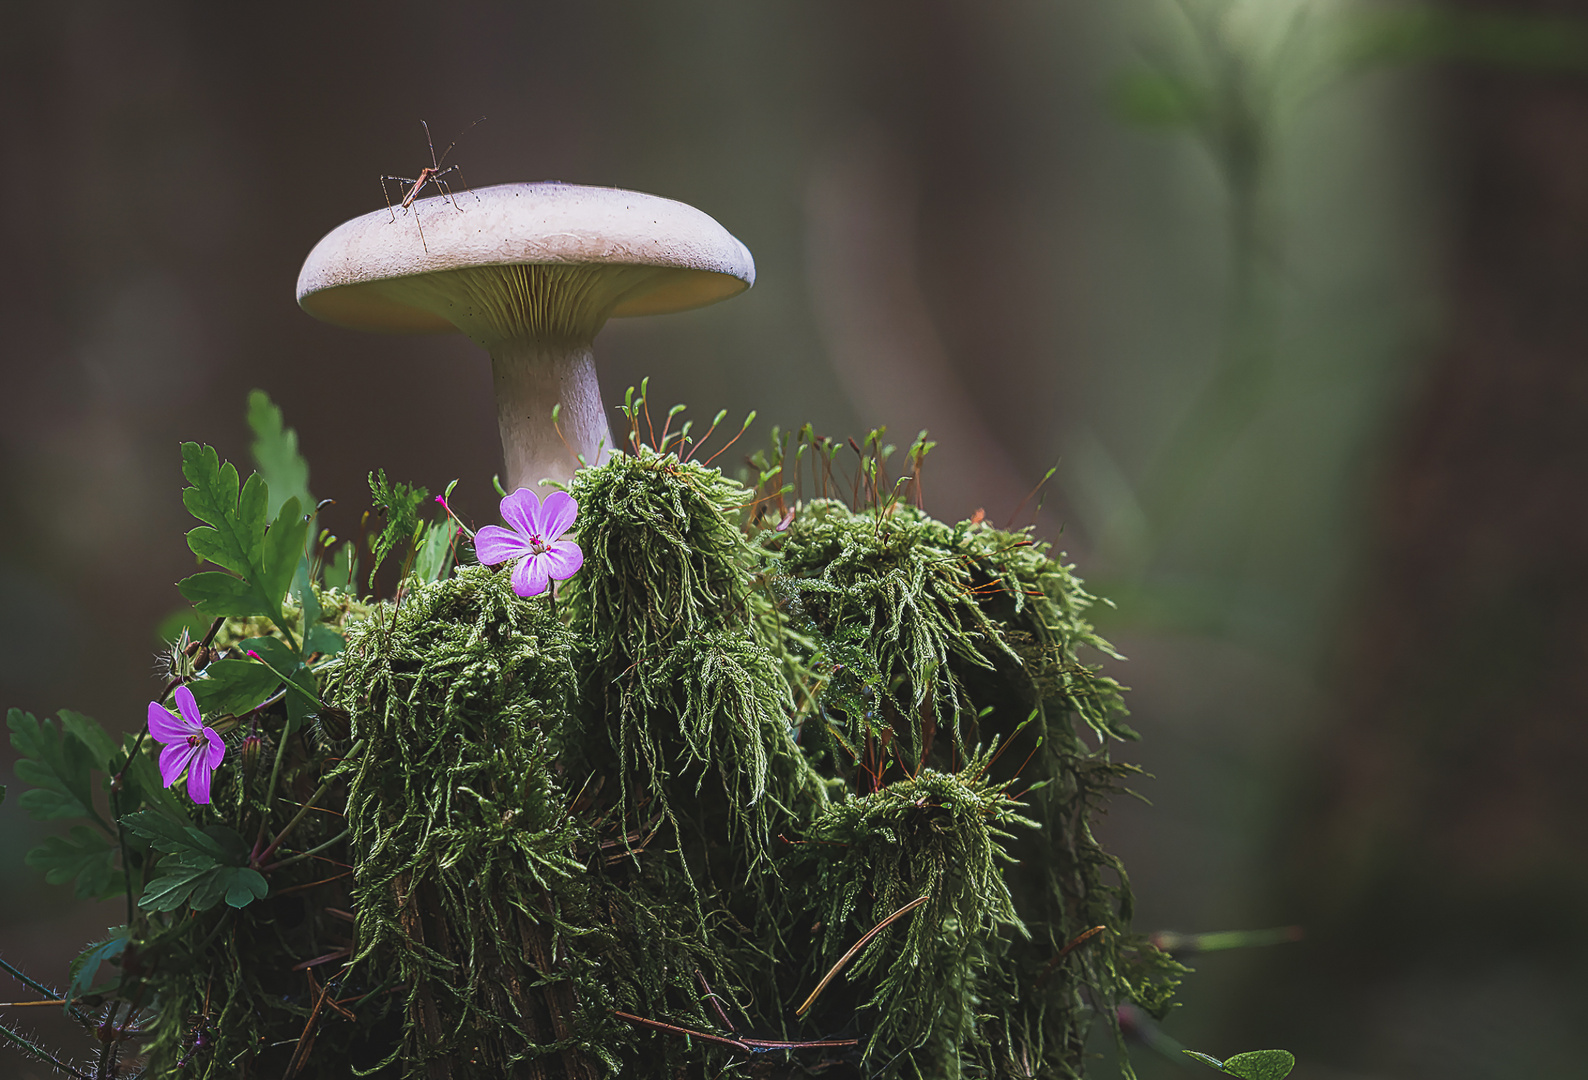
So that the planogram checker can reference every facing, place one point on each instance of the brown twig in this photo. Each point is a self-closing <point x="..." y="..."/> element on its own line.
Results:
<point x="1080" y="939"/>
<point x="856" y="947"/>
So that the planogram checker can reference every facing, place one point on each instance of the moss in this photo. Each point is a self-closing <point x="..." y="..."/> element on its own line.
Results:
<point x="458" y="819"/>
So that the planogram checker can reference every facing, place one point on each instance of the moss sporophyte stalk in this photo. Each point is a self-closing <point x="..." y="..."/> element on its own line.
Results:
<point x="764" y="786"/>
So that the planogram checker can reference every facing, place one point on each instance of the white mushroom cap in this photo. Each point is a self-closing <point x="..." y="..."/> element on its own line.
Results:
<point x="532" y="272"/>
<point x="658" y="256"/>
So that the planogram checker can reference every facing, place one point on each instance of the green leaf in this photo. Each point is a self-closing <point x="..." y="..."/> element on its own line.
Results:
<point x="189" y="881"/>
<point x="1252" y="1065"/>
<point x="323" y="639"/>
<point x="172" y="888"/>
<point x="303" y="589"/>
<point x="170" y="835"/>
<point x="58" y="767"/>
<point x="215" y="593"/>
<point x="101" y="745"/>
<point x="235" y="535"/>
<point x="1261" y="1064"/>
<point x="343" y="570"/>
<point x="233" y="685"/>
<point x="86" y="966"/>
<point x="237" y="885"/>
<point x="83" y="854"/>
<point x="435" y="550"/>
<point x="235" y="538"/>
<point x="275" y="450"/>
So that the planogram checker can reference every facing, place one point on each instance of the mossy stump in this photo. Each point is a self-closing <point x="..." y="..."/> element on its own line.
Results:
<point x="649" y="826"/>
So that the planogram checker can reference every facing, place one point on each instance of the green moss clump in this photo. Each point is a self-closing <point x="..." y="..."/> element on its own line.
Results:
<point x="458" y="820"/>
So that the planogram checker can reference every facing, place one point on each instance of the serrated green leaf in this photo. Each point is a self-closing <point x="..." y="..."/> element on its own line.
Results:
<point x="170" y="835"/>
<point x="100" y="743"/>
<point x="86" y="966"/>
<point x="200" y="887"/>
<point x="235" y="538"/>
<point x="171" y="889"/>
<point x="233" y="685"/>
<point x="83" y="854"/>
<point x="284" y="544"/>
<point x="235" y="532"/>
<point x="58" y="766"/>
<point x="275" y="450"/>
<point x="215" y="593"/>
<point x="1261" y="1064"/>
<point x="245" y="886"/>
<point x="237" y="885"/>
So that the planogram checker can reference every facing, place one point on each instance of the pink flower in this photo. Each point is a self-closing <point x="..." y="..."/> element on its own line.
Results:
<point x="190" y="745"/>
<point x="533" y="540"/>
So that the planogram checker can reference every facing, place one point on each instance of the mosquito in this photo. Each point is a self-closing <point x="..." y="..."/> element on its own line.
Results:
<point x="430" y="174"/>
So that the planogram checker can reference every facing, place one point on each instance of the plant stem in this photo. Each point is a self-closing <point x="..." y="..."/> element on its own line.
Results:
<point x="41" y="1053"/>
<point x="303" y="810"/>
<point x="300" y="856"/>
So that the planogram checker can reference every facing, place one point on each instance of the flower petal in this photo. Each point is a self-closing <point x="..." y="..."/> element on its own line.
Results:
<point x="173" y="759"/>
<point x="198" y="779"/>
<point x="529" y="576"/>
<point x="189" y="709"/>
<point x="165" y="726"/>
<point x="494" y="545"/>
<point x="214" y="748"/>
<point x="563" y="559"/>
<point x="521" y="510"/>
<point x="556" y="514"/>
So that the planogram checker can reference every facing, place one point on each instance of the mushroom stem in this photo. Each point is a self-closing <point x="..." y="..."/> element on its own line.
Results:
<point x="531" y="376"/>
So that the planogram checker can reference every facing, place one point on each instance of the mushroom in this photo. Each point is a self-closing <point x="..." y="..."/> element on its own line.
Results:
<point x="531" y="272"/>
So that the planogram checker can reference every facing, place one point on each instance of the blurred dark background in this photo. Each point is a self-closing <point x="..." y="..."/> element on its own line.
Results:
<point x="1295" y="292"/>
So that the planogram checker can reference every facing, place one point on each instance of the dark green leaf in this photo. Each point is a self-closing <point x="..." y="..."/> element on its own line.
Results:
<point x="284" y="545"/>
<point x="237" y="885"/>
<point x="275" y="450"/>
<point x="169" y="835"/>
<point x="83" y="854"/>
<point x="1261" y="1064"/>
<point x="86" y="966"/>
<point x="172" y="888"/>
<point x="58" y="766"/>
<point x="233" y="685"/>
<point x="101" y="745"/>
<point x="187" y="880"/>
